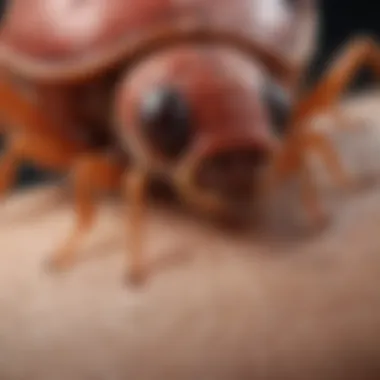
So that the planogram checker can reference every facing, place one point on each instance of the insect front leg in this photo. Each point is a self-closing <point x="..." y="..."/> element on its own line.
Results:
<point x="358" y="53"/>
<point x="90" y="174"/>
<point x="93" y="173"/>
<point x="30" y="135"/>
<point x="20" y="113"/>
<point x="43" y="151"/>
<point x="134" y="188"/>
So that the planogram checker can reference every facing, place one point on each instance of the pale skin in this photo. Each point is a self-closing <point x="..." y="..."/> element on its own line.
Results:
<point x="217" y="304"/>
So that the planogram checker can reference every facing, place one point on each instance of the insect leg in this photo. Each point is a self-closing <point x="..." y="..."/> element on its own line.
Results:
<point x="45" y="152"/>
<point x="30" y="134"/>
<point x="134" y="186"/>
<point x="358" y="53"/>
<point x="90" y="173"/>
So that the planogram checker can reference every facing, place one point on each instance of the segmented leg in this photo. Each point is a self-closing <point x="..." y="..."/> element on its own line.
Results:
<point x="94" y="173"/>
<point x="16" y="111"/>
<point x="358" y="53"/>
<point x="31" y="135"/>
<point x="19" y="112"/>
<point x="310" y="199"/>
<point x="134" y="189"/>
<point x="46" y="152"/>
<point x="90" y="174"/>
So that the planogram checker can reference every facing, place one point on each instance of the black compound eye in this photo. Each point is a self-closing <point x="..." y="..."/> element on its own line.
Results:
<point x="279" y="104"/>
<point x="4" y="5"/>
<point x="292" y="3"/>
<point x="166" y="121"/>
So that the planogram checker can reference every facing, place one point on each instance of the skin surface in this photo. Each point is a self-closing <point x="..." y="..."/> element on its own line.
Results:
<point x="219" y="305"/>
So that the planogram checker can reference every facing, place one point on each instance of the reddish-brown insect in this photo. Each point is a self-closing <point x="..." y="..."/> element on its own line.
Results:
<point x="192" y="91"/>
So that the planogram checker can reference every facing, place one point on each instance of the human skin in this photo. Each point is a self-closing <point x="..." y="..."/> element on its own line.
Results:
<point x="217" y="304"/>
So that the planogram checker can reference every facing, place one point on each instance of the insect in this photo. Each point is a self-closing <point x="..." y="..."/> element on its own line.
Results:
<point x="196" y="92"/>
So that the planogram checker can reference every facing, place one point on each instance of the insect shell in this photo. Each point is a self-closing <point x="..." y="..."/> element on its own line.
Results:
<point x="191" y="91"/>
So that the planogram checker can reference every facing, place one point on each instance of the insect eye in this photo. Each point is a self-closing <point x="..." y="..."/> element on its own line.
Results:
<point x="279" y="104"/>
<point x="4" y="5"/>
<point x="166" y="121"/>
<point x="292" y="3"/>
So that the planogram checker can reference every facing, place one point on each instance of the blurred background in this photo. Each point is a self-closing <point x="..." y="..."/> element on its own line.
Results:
<point x="340" y="20"/>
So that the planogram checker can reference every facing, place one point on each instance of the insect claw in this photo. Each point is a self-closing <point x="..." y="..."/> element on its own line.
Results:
<point x="135" y="277"/>
<point x="59" y="263"/>
<point x="320" y="220"/>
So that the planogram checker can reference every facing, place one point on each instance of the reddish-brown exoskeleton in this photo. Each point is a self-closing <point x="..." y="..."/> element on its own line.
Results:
<point x="193" y="92"/>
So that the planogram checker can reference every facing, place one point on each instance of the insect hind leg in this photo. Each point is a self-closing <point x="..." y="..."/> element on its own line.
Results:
<point x="356" y="54"/>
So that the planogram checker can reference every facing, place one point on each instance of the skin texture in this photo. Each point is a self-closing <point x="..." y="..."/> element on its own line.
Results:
<point x="219" y="305"/>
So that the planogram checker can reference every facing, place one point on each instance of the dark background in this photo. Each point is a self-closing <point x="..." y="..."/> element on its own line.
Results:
<point x="341" y="19"/>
